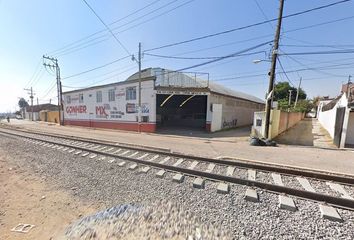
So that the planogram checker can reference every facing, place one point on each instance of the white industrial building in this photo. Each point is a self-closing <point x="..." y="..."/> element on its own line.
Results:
<point x="168" y="100"/>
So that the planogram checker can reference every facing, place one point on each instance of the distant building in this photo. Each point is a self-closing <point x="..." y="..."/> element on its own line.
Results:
<point x="36" y="109"/>
<point x="169" y="99"/>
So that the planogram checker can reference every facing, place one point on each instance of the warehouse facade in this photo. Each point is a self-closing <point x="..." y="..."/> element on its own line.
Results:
<point x="168" y="100"/>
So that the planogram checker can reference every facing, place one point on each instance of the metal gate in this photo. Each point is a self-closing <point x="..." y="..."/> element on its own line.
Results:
<point x="338" y="126"/>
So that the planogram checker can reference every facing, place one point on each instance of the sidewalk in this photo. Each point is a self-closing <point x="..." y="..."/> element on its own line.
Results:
<point x="331" y="160"/>
<point x="308" y="132"/>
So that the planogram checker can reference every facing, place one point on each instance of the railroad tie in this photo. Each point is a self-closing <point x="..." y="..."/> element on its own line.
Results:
<point x="340" y="189"/>
<point x="193" y="165"/>
<point x="305" y="184"/>
<point x="143" y="156"/>
<point x="251" y="174"/>
<point x="134" y="154"/>
<point x="124" y="153"/>
<point x="285" y="202"/>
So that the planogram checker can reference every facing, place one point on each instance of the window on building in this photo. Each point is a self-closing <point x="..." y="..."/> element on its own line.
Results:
<point x="99" y="96"/>
<point x="68" y="99"/>
<point x="81" y="98"/>
<point x="130" y="93"/>
<point x="111" y="95"/>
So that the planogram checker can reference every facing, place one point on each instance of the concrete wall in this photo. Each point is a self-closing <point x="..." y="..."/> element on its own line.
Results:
<point x="285" y="121"/>
<point x="280" y="121"/>
<point x="121" y="113"/>
<point x="35" y="116"/>
<point x="350" y="130"/>
<point x="235" y="112"/>
<point x="49" y="116"/>
<point x="328" y="118"/>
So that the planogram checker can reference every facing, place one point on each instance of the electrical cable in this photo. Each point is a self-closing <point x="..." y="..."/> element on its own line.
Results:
<point x="93" y="69"/>
<point x="224" y="57"/>
<point x="35" y="73"/>
<point x="108" y="28"/>
<point x="102" y="38"/>
<point x="196" y="58"/>
<point x="344" y="51"/>
<point x="284" y="72"/>
<point x="247" y="26"/>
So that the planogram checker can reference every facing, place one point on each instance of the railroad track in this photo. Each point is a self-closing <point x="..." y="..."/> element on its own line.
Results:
<point x="331" y="191"/>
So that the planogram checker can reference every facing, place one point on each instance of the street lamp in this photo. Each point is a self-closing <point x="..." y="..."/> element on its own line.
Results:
<point x="256" y="61"/>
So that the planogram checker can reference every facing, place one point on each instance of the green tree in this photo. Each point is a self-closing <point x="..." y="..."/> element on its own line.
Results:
<point x="281" y="92"/>
<point x="22" y="103"/>
<point x="304" y="106"/>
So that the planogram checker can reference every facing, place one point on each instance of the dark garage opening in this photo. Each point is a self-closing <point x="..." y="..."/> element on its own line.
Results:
<point x="181" y="111"/>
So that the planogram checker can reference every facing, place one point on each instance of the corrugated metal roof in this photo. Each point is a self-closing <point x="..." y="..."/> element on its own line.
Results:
<point x="213" y="87"/>
<point x="217" y="88"/>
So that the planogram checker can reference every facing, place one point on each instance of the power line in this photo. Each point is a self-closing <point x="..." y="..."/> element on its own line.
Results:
<point x="50" y="89"/>
<point x="224" y="57"/>
<point x="107" y="78"/>
<point x="284" y="72"/>
<point x="39" y="78"/>
<point x="105" y="37"/>
<point x="108" y="28"/>
<point x="93" y="69"/>
<point x="306" y="68"/>
<point x="264" y="36"/>
<point x="95" y="33"/>
<point x="263" y="13"/>
<point x="196" y="58"/>
<point x="35" y="73"/>
<point x="159" y="15"/>
<point x="344" y="51"/>
<point x="247" y="26"/>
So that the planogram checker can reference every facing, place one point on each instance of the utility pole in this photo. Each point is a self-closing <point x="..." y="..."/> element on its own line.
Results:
<point x="37" y="101"/>
<point x="297" y="92"/>
<point x="290" y="91"/>
<point x="348" y="88"/>
<point x="31" y="97"/>
<point x="272" y="70"/>
<point x="139" y="101"/>
<point x="59" y="89"/>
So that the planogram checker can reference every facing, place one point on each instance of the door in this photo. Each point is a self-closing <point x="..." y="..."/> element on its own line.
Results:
<point x="338" y="126"/>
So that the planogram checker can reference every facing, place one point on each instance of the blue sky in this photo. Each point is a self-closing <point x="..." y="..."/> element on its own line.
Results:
<point x="29" y="29"/>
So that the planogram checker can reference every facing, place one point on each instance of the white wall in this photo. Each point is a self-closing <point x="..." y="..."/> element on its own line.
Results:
<point x="28" y="115"/>
<point x="350" y="130"/>
<point x="328" y="118"/>
<point x="120" y="110"/>
<point x="216" y="117"/>
<point x="235" y="112"/>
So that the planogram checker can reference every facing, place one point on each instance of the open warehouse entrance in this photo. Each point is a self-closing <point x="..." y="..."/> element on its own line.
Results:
<point x="181" y="111"/>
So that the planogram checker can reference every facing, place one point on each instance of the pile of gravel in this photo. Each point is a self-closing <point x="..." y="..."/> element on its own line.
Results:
<point x="162" y="220"/>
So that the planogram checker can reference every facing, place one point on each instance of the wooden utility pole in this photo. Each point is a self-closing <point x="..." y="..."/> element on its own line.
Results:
<point x="59" y="89"/>
<point x="297" y="92"/>
<point x="31" y="97"/>
<point x="272" y="71"/>
<point x="139" y="101"/>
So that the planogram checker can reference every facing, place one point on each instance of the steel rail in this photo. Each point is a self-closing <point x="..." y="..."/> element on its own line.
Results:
<point x="338" y="202"/>
<point x="316" y="174"/>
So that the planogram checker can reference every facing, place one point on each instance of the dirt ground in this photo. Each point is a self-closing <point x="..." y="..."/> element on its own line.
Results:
<point x="26" y="198"/>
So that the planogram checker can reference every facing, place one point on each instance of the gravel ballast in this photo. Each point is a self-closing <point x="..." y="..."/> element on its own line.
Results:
<point x="107" y="183"/>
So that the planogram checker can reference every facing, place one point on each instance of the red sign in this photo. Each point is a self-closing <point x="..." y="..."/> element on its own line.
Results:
<point x="76" y="109"/>
<point x="101" y="111"/>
